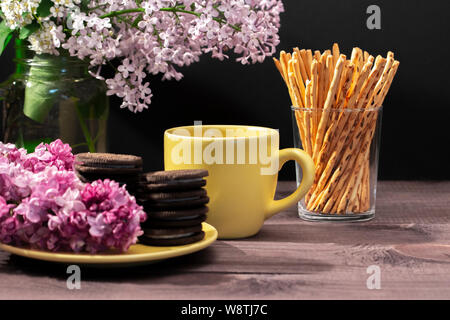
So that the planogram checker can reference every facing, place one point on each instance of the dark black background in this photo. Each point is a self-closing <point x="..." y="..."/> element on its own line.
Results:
<point x="415" y="132"/>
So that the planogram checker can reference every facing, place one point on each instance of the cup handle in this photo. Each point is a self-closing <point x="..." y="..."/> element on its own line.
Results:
<point x="307" y="165"/>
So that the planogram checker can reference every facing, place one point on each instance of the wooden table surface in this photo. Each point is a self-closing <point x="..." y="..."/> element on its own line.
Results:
<point x="409" y="240"/>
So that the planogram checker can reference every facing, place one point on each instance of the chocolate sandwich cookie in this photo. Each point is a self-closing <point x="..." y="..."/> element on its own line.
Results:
<point x="188" y="202"/>
<point x="107" y="163"/>
<point x="127" y="178"/>
<point x="175" y="218"/>
<point x="175" y="223"/>
<point x="177" y="213"/>
<point x="171" y="196"/>
<point x="174" y="180"/>
<point x="172" y="236"/>
<point x="121" y="168"/>
<point x="170" y="186"/>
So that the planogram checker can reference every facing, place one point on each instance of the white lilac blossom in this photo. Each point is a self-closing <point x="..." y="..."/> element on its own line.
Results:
<point x="149" y="37"/>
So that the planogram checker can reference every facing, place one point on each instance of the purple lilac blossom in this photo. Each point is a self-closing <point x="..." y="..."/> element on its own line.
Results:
<point x="43" y="204"/>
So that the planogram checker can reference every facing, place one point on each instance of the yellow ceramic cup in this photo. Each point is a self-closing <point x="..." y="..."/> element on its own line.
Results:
<point x="243" y="164"/>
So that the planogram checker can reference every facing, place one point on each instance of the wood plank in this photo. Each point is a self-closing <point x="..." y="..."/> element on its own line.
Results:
<point x="344" y="276"/>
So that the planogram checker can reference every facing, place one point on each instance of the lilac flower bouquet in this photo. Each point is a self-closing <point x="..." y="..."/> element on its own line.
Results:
<point x="145" y="36"/>
<point x="44" y="205"/>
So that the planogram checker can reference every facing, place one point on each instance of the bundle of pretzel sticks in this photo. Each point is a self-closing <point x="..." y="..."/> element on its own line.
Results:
<point x="336" y="103"/>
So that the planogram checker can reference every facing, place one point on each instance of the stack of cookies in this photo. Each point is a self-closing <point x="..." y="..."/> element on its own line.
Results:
<point x="175" y="203"/>
<point x="122" y="168"/>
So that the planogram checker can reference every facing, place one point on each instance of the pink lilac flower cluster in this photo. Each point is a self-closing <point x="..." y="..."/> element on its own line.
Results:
<point x="151" y="36"/>
<point x="44" y="205"/>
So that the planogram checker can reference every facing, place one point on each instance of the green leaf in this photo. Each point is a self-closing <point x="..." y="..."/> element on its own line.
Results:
<point x="44" y="8"/>
<point x="30" y="145"/>
<point x="28" y="30"/>
<point x="5" y="36"/>
<point x="41" y="92"/>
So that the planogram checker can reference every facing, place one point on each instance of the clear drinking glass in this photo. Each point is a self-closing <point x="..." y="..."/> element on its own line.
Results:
<point x="344" y="144"/>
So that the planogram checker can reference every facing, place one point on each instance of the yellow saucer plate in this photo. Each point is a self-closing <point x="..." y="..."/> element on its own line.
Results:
<point x="137" y="254"/>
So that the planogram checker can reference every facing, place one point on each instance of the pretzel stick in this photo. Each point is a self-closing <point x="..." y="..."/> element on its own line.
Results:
<point x="317" y="55"/>
<point x="301" y="64"/>
<point x="331" y="99"/>
<point x="295" y="68"/>
<point x="355" y="203"/>
<point x="304" y="57"/>
<point x="320" y="87"/>
<point x="330" y="70"/>
<point x="313" y="97"/>
<point x="280" y="69"/>
<point x="357" y="61"/>
<point x="387" y="85"/>
<point x="308" y="104"/>
<point x="321" y="92"/>
<point x="284" y="60"/>
<point x="298" y="65"/>
<point x="365" y="188"/>
<point x="284" y="65"/>
<point x="336" y="53"/>
<point x="356" y="196"/>
<point x="297" y="103"/>
<point x="283" y="71"/>
<point x="296" y="85"/>
<point x="324" y="78"/>
<point x="309" y="60"/>
<point x="366" y="56"/>
<point x="376" y="94"/>
<point x="346" y="83"/>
